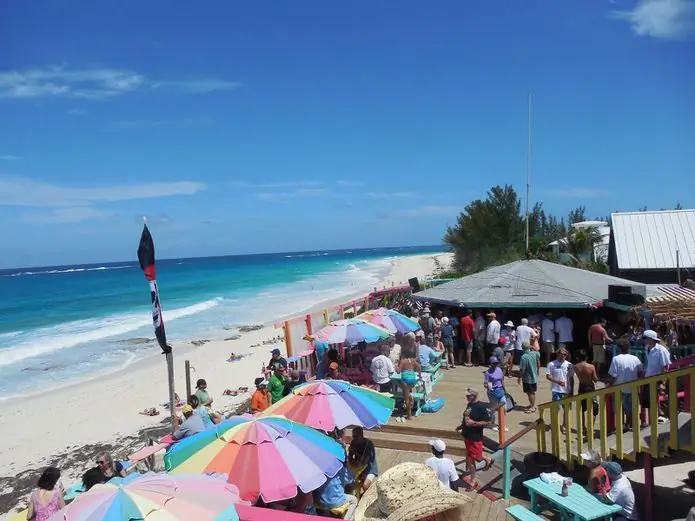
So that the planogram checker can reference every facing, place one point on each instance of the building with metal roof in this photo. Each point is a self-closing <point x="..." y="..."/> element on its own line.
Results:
<point x="650" y="247"/>
<point x="528" y="284"/>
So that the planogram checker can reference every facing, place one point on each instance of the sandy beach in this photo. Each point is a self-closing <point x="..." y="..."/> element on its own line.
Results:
<point x="64" y="427"/>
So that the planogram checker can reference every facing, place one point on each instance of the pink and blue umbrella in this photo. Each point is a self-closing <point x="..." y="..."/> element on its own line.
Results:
<point x="391" y="320"/>
<point x="329" y="404"/>
<point x="352" y="331"/>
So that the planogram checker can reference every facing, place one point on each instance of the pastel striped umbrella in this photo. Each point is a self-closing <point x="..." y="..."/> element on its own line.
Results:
<point x="267" y="457"/>
<point x="391" y="320"/>
<point x="330" y="404"/>
<point x="155" y="497"/>
<point x="350" y="330"/>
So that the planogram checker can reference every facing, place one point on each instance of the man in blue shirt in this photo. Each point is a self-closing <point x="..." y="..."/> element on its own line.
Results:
<point x="333" y="499"/>
<point x="426" y="355"/>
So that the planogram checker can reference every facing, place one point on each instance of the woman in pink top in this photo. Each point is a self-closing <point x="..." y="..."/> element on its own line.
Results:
<point x="47" y="499"/>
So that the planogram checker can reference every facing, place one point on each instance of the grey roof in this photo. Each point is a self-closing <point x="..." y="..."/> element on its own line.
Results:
<point x="649" y="240"/>
<point x="528" y="283"/>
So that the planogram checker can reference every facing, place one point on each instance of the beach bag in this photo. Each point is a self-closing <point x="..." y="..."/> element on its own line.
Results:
<point x="511" y="404"/>
<point x="433" y="405"/>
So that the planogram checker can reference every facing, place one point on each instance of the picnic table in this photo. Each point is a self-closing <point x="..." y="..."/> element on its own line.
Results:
<point x="578" y="505"/>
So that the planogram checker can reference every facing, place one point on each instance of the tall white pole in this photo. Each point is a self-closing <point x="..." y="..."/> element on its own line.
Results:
<point x="528" y="173"/>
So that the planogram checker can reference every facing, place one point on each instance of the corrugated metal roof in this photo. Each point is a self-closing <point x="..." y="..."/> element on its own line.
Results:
<point x="669" y="293"/>
<point x="528" y="283"/>
<point x="649" y="240"/>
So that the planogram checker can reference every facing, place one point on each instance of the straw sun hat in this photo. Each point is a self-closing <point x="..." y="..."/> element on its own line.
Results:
<point x="407" y="492"/>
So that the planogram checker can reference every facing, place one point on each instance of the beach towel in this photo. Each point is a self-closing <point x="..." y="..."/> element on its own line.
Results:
<point x="433" y="405"/>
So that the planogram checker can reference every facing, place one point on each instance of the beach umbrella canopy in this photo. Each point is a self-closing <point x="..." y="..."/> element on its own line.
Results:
<point x="267" y="457"/>
<point x="330" y="404"/>
<point x="391" y="320"/>
<point x="155" y="497"/>
<point x="350" y="330"/>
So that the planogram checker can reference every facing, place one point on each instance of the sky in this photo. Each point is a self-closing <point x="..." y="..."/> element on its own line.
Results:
<point x="264" y="126"/>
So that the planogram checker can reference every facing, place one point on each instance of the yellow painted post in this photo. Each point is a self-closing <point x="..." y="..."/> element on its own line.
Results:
<point x="580" y="428"/>
<point x="555" y="429"/>
<point x="325" y="317"/>
<point x="288" y="337"/>
<point x="618" y="422"/>
<point x="636" y="436"/>
<point x="602" y="425"/>
<point x="342" y="312"/>
<point x="567" y="422"/>
<point x="653" y="419"/>
<point x="590" y="427"/>
<point x="673" y="412"/>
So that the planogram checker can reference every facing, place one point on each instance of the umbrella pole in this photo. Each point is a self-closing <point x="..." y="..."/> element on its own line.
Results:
<point x="172" y="392"/>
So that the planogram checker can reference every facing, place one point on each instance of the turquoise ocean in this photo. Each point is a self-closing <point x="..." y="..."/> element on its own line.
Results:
<point x="64" y="323"/>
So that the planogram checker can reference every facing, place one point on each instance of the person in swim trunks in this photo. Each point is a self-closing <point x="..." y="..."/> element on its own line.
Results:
<point x="410" y="370"/>
<point x="587" y="378"/>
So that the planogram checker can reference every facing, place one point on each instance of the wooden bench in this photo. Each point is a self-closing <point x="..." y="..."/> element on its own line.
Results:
<point x="521" y="513"/>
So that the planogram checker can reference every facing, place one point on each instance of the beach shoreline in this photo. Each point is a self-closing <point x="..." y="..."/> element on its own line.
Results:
<point x="103" y="411"/>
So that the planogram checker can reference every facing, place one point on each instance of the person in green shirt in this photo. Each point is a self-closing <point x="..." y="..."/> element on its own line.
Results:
<point x="528" y="374"/>
<point x="276" y="383"/>
<point x="201" y="392"/>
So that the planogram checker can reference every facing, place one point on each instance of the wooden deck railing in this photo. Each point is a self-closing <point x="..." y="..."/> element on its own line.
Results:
<point x="567" y="444"/>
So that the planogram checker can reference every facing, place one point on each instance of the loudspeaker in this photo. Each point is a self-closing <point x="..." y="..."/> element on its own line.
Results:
<point x="414" y="284"/>
<point x="624" y="296"/>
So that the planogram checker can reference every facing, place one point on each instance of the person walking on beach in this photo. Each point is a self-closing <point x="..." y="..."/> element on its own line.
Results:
<point x="276" y="383"/>
<point x="47" y="498"/>
<point x="201" y="391"/>
<point x="444" y="467"/>
<point x="447" y="332"/>
<point x="468" y="339"/>
<point x="260" y="400"/>
<point x="476" y="417"/>
<point x="529" y="365"/>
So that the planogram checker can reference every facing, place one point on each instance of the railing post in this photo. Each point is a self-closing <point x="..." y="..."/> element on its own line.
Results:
<point x="188" y="378"/>
<point x="610" y="419"/>
<point x="649" y="487"/>
<point x="502" y="423"/>
<point x="507" y="472"/>
<point x="342" y="312"/>
<point x="288" y="337"/>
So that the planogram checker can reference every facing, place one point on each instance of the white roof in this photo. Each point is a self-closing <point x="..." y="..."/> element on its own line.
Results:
<point x="649" y="240"/>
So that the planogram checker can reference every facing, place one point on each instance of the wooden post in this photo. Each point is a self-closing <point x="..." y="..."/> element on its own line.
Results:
<point x="501" y="423"/>
<point x="648" y="487"/>
<point x="188" y="379"/>
<point x="325" y="317"/>
<point x="507" y="472"/>
<point x="172" y="392"/>
<point x="288" y="337"/>
<point x="342" y="312"/>
<point x="610" y="414"/>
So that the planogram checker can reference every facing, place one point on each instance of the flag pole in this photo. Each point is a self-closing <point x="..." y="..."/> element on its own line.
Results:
<point x="172" y="392"/>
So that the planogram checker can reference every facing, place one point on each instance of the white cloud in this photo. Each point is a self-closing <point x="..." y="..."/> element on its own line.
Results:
<point x="21" y="191"/>
<point x="581" y="193"/>
<point x="434" y="210"/>
<point x="274" y="184"/>
<point x="302" y="192"/>
<point x="349" y="184"/>
<point x="72" y="214"/>
<point x="665" y="19"/>
<point x="96" y="83"/>
<point x="389" y="195"/>
<point x="10" y="157"/>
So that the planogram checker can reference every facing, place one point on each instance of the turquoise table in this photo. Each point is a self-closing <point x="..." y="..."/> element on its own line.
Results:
<point x="578" y="505"/>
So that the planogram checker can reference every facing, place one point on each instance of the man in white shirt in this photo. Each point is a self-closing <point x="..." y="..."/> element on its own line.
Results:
<point x="621" y="492"/>
<point x="563" y="328"/>
<point x="548" y="337"/>
<point x="444" y="467"/>
<point x="382" y="368"/>
<point x="524" y="333"/>
<point x="625" y="368"/>
<point x="492" y="335"/>
<point x="560" y="372"/>
<point x="658" y="359"/>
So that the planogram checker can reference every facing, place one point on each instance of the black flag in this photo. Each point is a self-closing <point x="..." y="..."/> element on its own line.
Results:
<point x="146" y="258"/>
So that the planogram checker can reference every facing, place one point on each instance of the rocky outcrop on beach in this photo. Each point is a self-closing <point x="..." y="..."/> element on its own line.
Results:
<point x="233" y="337"/>
<point x="198" y="343"/>
<point x="249" y="328"/>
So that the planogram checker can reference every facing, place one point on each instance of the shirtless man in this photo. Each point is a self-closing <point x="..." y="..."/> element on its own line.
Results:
<point x="587" y="378"/>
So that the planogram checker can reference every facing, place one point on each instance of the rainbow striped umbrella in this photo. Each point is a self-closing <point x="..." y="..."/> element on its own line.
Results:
<point x="268" y="457"/>
<point x="350" y="330"/>
<point x="391" y="320"/>
<point x="155" y="497"/>
<point x="330" y="404"/>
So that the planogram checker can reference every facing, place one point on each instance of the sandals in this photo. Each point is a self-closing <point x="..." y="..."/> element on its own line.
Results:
<point x="152" y="411"/>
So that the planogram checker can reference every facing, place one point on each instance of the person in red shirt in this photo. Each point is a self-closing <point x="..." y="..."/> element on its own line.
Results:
<point x="467" y="337"/>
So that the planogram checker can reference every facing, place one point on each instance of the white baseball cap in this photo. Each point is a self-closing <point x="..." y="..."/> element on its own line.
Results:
<point x="438" y="445"/>
<point x="651" y="334"/>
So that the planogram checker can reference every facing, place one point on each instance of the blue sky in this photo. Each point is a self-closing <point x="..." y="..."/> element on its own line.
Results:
<point x="257" y="126"/>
